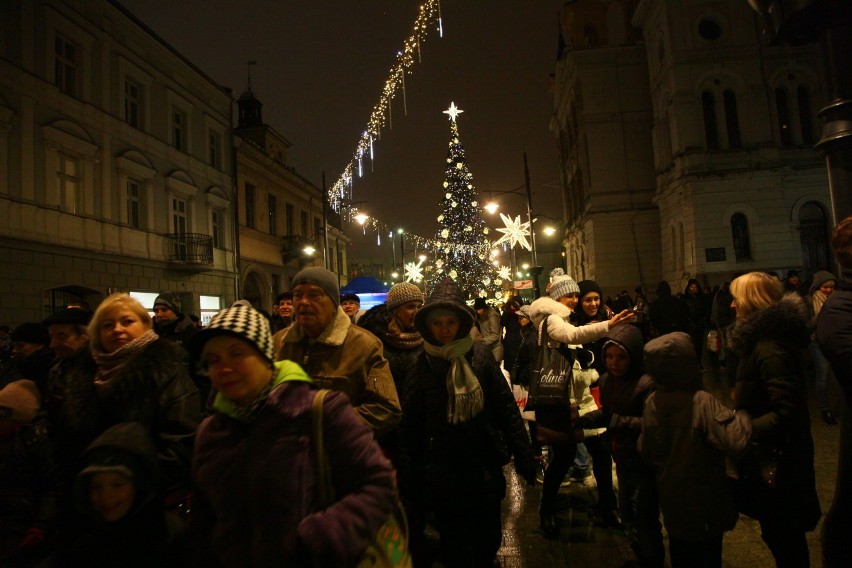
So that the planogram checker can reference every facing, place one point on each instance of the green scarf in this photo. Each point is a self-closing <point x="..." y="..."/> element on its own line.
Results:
<point x="282" y="371"/>
<point x="466" y="399"/>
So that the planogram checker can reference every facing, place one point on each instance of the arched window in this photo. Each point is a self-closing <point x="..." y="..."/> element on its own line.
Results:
<point x="793" y="112"/>
<point x="739" y="233"/>
<point x="782" y="108"/>
<point x="673" y="240"/>
<point x="732" y="120"/>
<point x="711" y="129"/>
<point x="813" y="236"/>
<point x="805" y="115"/>
<point x="590" y="36"/>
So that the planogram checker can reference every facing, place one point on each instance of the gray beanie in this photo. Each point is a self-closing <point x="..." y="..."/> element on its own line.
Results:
<point x="562" y="286"/>
<point x="401" y="293"/>
<point x="170" y="300"/>
<point x="325" y="279"/>
<point x="240" y="320"/>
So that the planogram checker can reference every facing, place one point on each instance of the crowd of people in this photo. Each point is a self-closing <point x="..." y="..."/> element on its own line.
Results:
<point x="132" y="440"/>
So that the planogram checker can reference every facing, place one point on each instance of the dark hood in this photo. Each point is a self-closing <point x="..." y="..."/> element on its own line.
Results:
<point x="629" y="337"/>
<point x="446" y="295"/>
<point x="376" y="320"/>
<point x="820" y="278"/>
<point x="670" y="360"/>
<point x="128" y="445"/>
<point x="663" y="289"/>
<point x="785" y="322"/>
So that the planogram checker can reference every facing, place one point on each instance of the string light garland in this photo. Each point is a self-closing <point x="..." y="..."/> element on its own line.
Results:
<point x="429" y="12"/>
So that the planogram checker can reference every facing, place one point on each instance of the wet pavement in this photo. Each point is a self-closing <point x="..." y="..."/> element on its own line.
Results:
<point x="583" y="545"/>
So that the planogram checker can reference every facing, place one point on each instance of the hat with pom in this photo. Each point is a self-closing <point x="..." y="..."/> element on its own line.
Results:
<point x="563" y="285"/>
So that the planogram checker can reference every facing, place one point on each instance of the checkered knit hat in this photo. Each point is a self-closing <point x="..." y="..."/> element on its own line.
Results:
<point x="240" y="320"/>
<point x="562" y="286"/>
<point x="401" y="293"/>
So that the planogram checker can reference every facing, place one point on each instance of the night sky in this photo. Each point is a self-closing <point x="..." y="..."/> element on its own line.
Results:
<point x="321" y="65"/>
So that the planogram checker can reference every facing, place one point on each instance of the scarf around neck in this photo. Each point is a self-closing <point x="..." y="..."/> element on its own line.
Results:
<point x="818" y="300"/>
<point x="109" y="363"/>
<point x="466" y="399"/>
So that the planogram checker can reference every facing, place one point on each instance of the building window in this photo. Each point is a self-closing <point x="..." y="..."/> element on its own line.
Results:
<point x="178" y="216"/>
<point x="803" y="99"/>
<point x="303" y="218"/>
<point x="132" y="99"/>
<point x="210" y="306"/>
<point x="214" y="149"/>
<point x="65" y="65"/>
<point x="739" y="233"/>
<point x="732" y="119"/>
<point x="317" y="228"/>
<point x="782" y="108"/>
<point x="69" y="183"/>
<point x="216" y="229"/>
<point x="272" y="204"/>
<point x="133" y="204"/>
<point x="288" y="212"/>
<point x="178" y="130"/>
<point x="249" y="206"/>
<point x="711" y="129"/>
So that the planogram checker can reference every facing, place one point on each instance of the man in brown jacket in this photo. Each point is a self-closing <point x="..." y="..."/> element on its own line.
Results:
<point x="337" y="354"/>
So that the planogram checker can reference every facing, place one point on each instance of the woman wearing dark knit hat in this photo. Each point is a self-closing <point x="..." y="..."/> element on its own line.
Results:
<point x="256" y="501"/>
<point x="591" y="309"/>
<point x="460" y="426"/>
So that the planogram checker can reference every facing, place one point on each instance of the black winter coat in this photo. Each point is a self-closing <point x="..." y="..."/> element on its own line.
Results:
<point x="155" y="388"/>
<point x="623" y="402"/>
<point x="463" y="462"/>
<point x="401" y="355"/>
<point x="771" y="387"/>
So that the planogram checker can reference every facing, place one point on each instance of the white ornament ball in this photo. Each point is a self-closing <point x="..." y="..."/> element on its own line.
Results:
<point x="439" y="263"/>
<point x="448" y="195"/>
<point x="453" y="204"/>
<point x="485" y="231"/>
<point x="445" y="233"/>
<point x="454" y="274"/>
<point x="446" y="184"/>
<point x="498" y="281"/>
<point x="486" y="281"/>
<point x="459" y="165"/>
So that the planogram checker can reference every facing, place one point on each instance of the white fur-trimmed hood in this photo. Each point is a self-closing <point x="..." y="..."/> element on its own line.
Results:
<point x="334" y="334"/>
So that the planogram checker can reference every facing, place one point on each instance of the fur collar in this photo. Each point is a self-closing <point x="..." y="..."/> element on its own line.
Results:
<point x="334" y="334"/>
<point x="546" y="306"/>
<point x="785" y="322"/>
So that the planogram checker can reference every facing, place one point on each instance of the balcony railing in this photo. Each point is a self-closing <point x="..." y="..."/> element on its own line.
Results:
<point x="189" y="249"/>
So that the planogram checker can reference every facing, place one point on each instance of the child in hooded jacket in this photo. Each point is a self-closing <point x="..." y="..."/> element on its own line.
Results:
<point x="686" y="434"/>
<point x="624" y="389"/>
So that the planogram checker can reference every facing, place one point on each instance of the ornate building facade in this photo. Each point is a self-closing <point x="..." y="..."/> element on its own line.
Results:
<point x="686" y="144"/>
<point x="115" y="163"/>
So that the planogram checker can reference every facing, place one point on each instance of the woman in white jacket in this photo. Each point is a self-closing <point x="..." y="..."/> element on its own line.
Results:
<point x="553" y="425"/>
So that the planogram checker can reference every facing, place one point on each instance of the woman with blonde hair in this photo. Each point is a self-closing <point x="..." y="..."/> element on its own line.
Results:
<point x="777" y="482"/>
<point x="141" y="377"/>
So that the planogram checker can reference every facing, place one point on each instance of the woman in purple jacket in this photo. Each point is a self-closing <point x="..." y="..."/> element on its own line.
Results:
<point x="255" y="499"/>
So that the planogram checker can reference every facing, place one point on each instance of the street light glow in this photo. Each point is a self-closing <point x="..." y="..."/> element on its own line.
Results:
<point x="361" y="218"/>
<point x="309" y="250"/>
<point x="422" y="258"/>
<point x="491" y="207"/>
<point x="549" y="231"/>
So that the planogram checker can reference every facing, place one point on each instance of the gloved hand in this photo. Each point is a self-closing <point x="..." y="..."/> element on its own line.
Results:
<point x="33" y="538"/>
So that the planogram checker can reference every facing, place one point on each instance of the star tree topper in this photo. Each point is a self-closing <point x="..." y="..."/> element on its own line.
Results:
<point x="453" y="111"/>
<point x="514" y="232"/>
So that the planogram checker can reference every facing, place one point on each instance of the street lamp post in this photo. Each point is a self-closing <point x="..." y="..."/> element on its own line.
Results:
<point x="527" y="197"/>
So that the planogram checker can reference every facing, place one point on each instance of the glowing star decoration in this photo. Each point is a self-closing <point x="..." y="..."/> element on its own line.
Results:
<point x="504" y="272"/>
<point x="514" y="232"/>
<point x="413" y="272"/>
<point x="454" y="274"/>
<point x="453" y="111"/>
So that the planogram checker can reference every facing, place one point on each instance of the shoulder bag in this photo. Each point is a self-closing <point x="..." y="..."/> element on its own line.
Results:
<point x="550" y="374"/>
<point x="389" y="547"/>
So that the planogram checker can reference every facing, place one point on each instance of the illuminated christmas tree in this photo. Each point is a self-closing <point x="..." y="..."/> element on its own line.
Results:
<point x="463" y="244"/>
